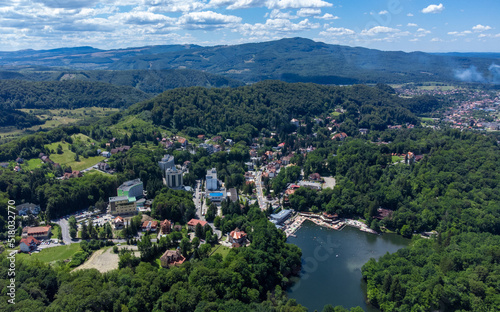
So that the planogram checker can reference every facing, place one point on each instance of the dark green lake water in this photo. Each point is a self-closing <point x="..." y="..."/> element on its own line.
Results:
<point x="331" y="265"/>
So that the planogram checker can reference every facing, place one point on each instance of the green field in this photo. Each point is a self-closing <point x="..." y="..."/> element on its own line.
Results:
<point x="32" y="164"/>
<point x="53" y="254"/>
<point x="56" y="117"/>
<point x="395" y="159"/>
<point x="221" y="250"/>
<point x="68" y="157"/>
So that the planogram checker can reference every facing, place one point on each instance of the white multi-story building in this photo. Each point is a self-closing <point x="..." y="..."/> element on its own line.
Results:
<point x="211" y="180"/>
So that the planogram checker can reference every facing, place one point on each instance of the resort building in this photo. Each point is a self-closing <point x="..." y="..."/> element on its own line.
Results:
<point x="211" y="180"/>
<point x="280" y="217"/>
<point x="133" y="188"/>
<point x="39" y="232"/>
<point x="216" y="196"/>
<point x="122" y="205"/>
<point x="173" y="178"/>
<point x="166" y="162"/>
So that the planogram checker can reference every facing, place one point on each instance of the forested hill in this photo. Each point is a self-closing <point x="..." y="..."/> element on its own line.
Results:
<point x="149" y="81"/>
<point x="66" y="94"/>
<point x="291" y="60"/>
<point x="272" y="104"/>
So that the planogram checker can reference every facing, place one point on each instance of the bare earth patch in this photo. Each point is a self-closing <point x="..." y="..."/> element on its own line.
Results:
<point x="105" y="260"/>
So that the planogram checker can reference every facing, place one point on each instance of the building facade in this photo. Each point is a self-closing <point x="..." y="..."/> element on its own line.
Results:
<point x="166" y="162"/>
<point x="211" y="180"/>
<point x="122" y="205"/>
<point x="173" y="177"/>
<point x="132" y="188"/>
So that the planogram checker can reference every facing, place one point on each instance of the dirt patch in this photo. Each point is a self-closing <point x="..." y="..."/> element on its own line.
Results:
<point x="105" y="260"/>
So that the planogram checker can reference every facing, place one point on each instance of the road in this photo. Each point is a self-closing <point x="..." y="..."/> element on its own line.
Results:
<point x="63" y="224"/>
<point x="260" y="194"/>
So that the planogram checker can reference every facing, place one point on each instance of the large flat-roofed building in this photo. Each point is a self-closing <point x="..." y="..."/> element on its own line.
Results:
<point x="166" y="162"/>
<point x="173" y="177"/>
<point x="216" y="196"/>
<point x="132" y="188"/>
<point x="122" y="205"/>
<point x="281" y="216"/>
<point x="211" y="180"/>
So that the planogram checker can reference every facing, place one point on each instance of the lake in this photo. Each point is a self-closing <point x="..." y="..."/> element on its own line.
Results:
<point x="331" y="264"/>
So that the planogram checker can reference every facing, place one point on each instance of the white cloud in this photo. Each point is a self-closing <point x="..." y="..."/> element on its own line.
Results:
<point x="378" y="30"/>
<point x="160" y="6"/>
<point x="207" y="20"/>
<point x="270" y="4"/>
<point x="481" y="28"/>
<point x="436" y="40"/>
<point x="143" y="18"/>
<point x="412" y="25"/>
<point x="278" y="14"/>
<point x="308" y="12"/>
<point x="383" y="12"/>
<point x="460" y="34"/>
<point x="296" y="4"/>
<point x="421" y="32"/>
<point x="327" y="16"/>
<point x="276" y="26"/>
<point x="71" y="4"/>
<point x="409" y="14"/>
<point x="339" y="31"/>
<point x="433" y="8"/>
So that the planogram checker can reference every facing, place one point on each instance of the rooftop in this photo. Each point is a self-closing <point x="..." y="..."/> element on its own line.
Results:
<point x="126" y="186"/>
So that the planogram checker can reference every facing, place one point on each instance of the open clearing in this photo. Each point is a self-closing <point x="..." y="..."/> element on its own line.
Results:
<point x="53" y="254"/>
<point x="105" y="260"/>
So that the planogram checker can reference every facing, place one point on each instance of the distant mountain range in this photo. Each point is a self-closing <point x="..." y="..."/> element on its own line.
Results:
<point x="291" y="60"/>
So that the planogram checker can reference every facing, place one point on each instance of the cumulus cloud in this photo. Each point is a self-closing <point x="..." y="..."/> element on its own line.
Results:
<point x="460" y="33"/>
<point x="327" y="16"/>
<point x="143" y="18"/>
<point x="276" y="26"/>
<point x="337" y="31"/>
<point x="383" y="12"/>
<point x="433" y="8"/>
<point x="158" y="6"/>
<point x="412" y="25"/>
<point x="308" y="12"/>
<point x="481" y="28"/>
<point x="71" y="4"/>
<point x="378" y="30"/>
<point x="409" y="14"/>
<point x="270" y="4"/>
<point x="207" y="20"/>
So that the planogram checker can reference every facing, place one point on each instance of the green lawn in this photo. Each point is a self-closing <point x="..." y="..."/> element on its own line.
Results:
<point x="68" y="157"/>
<point x="222" y="250"/>
<point x="32" y="164"/>
<point x="53" y="253"/>
<point x="395" y="159"/>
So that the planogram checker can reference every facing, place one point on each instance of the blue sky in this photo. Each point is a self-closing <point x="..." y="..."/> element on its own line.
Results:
<point x="407" y="25"/>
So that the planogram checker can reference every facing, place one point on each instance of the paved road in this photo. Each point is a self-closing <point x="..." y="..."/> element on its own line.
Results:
<point x="260" y="194"/>
<point x="63" y="224"/>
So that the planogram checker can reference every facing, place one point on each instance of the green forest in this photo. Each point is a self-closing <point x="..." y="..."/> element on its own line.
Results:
<point x="66" y="94"/>
<point x="272" y="104"/>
